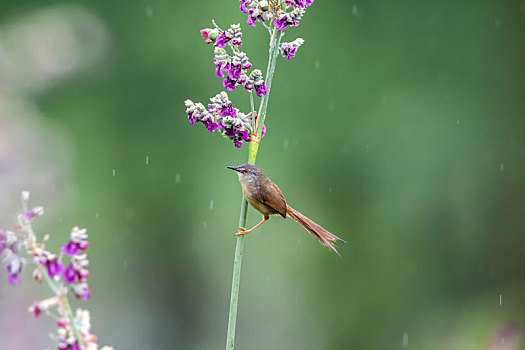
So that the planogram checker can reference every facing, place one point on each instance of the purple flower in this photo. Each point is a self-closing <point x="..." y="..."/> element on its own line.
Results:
<point x="229" y="84"/>
<point x="299" y="3"/>
<point x="14" y="269"/>
<point x="223" y="39"/>
<point x="243" y="6"/>
<point x="263" y="131"/>
<point x="71" y="248"/>
<point x="82" y="291"/>
<point x="232" y="34"/>
<point x="257" y="11"/>
<point x="289" y="19"/>
<point x="288" y="50"/>
<point x="237" y="129"/>
<point x="209" y="122"/>
<point x="222" y="61"/>
<point x="31" y="214"/>
<point x="198" y="113"/>
<point x="261" y="89"/>
<point x="221" y="105"/>
<point x="54" y="268"/>
<point x="255" y="81"/>
<point x="77" y="271"/>
<point x="239" y="63"/>
<point x="36" y="310"/>
<point x="70" y="275"/>
<point x="77" y="241"/>
<point x="251" y="21"/>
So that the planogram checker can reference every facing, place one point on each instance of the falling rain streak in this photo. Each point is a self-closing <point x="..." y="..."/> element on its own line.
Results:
<point x="405" y="339"/>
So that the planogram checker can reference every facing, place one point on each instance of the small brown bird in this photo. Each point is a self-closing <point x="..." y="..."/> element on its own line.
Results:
<point x="264" y="195"/>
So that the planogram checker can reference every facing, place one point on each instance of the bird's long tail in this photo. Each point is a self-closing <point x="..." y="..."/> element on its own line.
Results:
<point x="323" y="236"/>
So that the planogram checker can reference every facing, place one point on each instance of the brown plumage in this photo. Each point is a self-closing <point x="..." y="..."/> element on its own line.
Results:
<point x="264" y="195"/>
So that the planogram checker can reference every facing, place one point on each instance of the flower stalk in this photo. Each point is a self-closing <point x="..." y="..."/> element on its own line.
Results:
<point x="252" y="155"/>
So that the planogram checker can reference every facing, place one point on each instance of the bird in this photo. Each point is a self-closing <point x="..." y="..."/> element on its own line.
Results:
<point x="267" y="198"/>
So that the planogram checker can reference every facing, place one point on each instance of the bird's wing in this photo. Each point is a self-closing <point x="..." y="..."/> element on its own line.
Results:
<point x="271" y="196"/>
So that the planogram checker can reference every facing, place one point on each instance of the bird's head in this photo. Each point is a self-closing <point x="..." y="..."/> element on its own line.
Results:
<point x="246" y="172"/>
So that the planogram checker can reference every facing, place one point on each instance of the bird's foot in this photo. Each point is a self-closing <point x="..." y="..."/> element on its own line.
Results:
<point x="242" y="228"/>
<point x="243" y="232"/>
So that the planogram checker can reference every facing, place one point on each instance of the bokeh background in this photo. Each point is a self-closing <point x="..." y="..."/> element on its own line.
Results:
<point x="399" y="126"/>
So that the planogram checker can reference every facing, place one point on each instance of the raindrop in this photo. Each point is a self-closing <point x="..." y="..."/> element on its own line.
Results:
<point x="114" y="172"/>
<point x="457" y="122"/>
<point x="147" y="160"/>
<point x="125" y="263"/>
<point x="177" y="178"/>
<point x="96" y="215"/>
<point x="211" y="204"/>
<point x="366" y="146"/>
<point x="405" y="339"/>
<point x="500" y="300"/>
<point x="497" y="22"/>
<point x="149" y="11"/>
<point x="501" y="166"/>
<point x="286" y="143"/>
<point x="330" y="189"/>
<point x="317" y="65"/>
<point x="355" y="10"/>
<point x="204" y="224"/>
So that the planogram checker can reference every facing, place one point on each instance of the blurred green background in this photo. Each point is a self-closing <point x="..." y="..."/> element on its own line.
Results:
<point x="399" y="126"/>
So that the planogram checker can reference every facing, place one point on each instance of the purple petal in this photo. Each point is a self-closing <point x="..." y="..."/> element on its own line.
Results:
<point x="218" y="70"/>
<point x="281" y="23"/>
<point x="54" y="268"/>
<point x="70" y="275"/>
<point x="243" y="6"/>
<point x="222" y="40"/>
<point x="261" y="89"/>
<point x="229" y="84"/>
<point x="72" y="248"/>
<point x="251" y="21"/>
<point x="13" y="277"/>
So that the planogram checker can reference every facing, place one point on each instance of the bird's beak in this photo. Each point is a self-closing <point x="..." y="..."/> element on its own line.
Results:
<point x="232" y="168"/>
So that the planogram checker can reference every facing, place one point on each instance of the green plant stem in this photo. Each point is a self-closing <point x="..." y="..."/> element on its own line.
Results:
<point x="65" y="303"/>
<point x="252" y="155"/>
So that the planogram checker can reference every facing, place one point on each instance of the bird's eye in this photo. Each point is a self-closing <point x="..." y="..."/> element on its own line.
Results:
<point x="246" y="171"/>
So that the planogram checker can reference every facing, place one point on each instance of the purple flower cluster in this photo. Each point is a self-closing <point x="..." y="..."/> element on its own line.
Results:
<point x="289" y="19"/>
<point x="299" y="3"/>
<point x="288" y="50"/>
<point x="232" y="34"/>
<point x="76" y="273"/>
<point x="60" y="278"/>
<point x="31" y="214"/>
<point x="234" y="125"/>
<point x="50" y="261"/>
<point x="198" y="113"/>
<point x="262" y="11"/>
<point x="65" y="336"/>
<point x="15" y="266"/>
<point x="258" y="11"/>
<point x="237" y="65"/>
<point x="77" y="242"/>
<point x="255" y="81"/>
